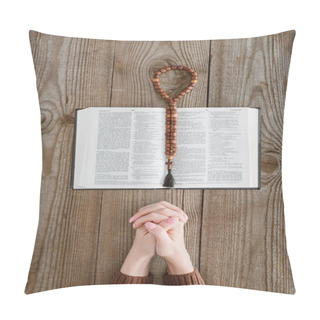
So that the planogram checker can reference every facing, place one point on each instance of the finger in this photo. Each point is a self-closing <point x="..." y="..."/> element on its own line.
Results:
<point x="161" y="213"/>
<point x="158" y="232"/>
<point x="168" y="224"/>
<point x="171" y="206"/>
<point x="161" y="210"/>
<point x="154" y="206"/>
<point x="151" y="217"/>
<point x="145" y="210"/>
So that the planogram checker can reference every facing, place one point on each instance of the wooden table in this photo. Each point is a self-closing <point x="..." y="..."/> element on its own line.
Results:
<point x="235" y="237"/>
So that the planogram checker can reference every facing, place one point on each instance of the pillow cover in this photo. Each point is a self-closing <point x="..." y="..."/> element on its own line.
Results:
<point x="235" y="237"/>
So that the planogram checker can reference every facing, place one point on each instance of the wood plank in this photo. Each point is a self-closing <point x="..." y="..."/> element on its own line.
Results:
<point x="71" y="73"/>
<point x="135" y="64"/>
<point x="243" y="241"/>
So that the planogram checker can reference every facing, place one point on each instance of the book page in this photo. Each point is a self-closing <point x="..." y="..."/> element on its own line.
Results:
<point x="129" y="148"/>
<point x="221" y="148"/>
<point x="189" y="164"/>
<point x="148" y="147"/>
<point x="254" y="142"/>
<point x="85" y="147"/>
<point x="228" y="148"/>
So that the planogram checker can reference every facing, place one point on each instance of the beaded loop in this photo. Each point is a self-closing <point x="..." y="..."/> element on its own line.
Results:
<point x="171" y="109"/>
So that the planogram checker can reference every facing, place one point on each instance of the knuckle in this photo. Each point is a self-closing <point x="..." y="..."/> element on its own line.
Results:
<point x="163" y="210"/>
<point x="152" y="215"/>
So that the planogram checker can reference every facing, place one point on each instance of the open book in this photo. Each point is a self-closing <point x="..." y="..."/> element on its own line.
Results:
<point x="124" y="148"/>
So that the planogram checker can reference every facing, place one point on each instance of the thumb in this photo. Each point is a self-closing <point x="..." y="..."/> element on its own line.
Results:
<point x="167" y="224"/>
<point x="156" y="230"/>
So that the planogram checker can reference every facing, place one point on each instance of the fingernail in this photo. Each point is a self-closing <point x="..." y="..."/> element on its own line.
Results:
<point x="134" y="226"/>
<point x="150" y="225"/>
<point x="131" y="219"/>
<point x="186" y="216"/>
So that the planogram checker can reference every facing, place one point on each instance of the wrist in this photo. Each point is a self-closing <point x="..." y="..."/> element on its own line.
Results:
<point x="136" y="264"/>
<point x="179" y="263"/>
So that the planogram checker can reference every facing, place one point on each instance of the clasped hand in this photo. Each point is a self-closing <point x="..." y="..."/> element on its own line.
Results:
<point x="159" y="231"/>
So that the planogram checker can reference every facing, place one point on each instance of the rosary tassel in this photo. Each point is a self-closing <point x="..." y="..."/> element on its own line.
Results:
<point x="169" y="180"/>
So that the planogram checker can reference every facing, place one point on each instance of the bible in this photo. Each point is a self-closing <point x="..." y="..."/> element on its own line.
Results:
<point x="124" y="148"/>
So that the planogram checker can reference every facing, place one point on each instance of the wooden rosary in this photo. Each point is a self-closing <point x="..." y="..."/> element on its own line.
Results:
<point x="171" y="117"/>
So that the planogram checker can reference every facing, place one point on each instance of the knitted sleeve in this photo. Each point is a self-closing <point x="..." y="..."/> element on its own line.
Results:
<point x="121" y="278"/>
<point x="193" y="277"/>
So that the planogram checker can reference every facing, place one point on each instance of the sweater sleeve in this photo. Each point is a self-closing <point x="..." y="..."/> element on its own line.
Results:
<point x="193" y="277"/>
<point x="121" y="278"/>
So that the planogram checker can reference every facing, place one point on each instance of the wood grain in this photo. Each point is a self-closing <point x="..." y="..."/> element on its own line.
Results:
<point x="235" y="237"/>
<point x="243" y="240"/>
<point x="71" y="73"/>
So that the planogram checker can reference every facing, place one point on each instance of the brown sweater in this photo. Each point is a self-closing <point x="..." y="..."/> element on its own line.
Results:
<point x="193" y="277"/>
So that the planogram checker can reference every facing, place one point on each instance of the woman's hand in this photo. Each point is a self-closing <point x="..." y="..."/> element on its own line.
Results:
<point x="156" y="212"/>
<point x="165" y="222"/>
<point x="143" y="249"/>
<point x="170" y="245"/>
<point x="139" y="257"/>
